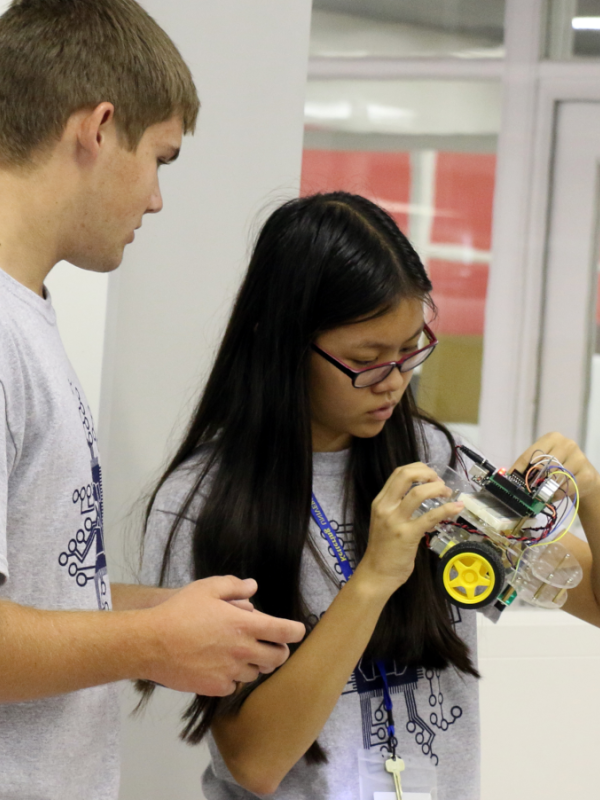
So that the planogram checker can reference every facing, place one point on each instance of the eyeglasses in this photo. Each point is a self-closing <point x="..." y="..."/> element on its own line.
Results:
<point x="369" y="376"/>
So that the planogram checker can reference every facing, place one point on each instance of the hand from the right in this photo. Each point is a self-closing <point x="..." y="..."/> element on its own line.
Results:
<point x="393" y="536"/>
<point x="203" y="643"/>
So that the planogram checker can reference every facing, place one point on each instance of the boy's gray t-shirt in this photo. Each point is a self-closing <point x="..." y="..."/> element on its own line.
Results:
<point x="51" y="551"/>
<point x="436" y="712"/>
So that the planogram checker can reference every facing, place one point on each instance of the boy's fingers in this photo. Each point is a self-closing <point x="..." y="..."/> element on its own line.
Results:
<point x="245" y="605"/>
<point x="273" y="629"/>
<point x="228" y="587"/>
<point x="248" y="673"/>
<point x="268" y="657"/>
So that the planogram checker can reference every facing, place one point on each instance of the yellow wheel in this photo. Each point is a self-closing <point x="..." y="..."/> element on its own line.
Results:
<point x="471" y="574"/>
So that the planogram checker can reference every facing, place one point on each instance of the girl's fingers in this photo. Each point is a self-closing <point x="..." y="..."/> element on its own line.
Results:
<point x="552" y="444"/>
<point x="425" y="491"/>
<point x="401" y="480"/>
<point x="430" y="520"/>
<point x="570" y="456"/>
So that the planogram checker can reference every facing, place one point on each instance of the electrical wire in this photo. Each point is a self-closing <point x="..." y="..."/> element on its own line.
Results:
<point x="460" y="460"/>
<point x="574" y="505"/>
<point x="570" y="507"/>
<point x="540" y="468"/>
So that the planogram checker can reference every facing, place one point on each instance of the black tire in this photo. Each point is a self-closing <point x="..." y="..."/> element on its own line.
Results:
<point x="495" y="572"/>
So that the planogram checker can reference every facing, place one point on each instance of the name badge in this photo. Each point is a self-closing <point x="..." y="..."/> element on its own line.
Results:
<point x="418" y="778"/>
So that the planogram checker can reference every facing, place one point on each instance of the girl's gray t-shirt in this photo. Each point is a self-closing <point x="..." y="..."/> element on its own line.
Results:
<point x="51" y="551"/>
<point x="436" y="711"/>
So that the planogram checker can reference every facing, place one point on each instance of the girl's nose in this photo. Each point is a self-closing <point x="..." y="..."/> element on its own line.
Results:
<point x="394" y="382"/>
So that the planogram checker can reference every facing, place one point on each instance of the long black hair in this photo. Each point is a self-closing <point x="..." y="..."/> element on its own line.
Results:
<point x="320" y="262"/>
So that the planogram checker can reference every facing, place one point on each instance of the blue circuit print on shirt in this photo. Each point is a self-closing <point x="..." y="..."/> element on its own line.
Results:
<point x="85" y="556"/>
<point x="438" y="716"/>
<point x="402" y="680"/>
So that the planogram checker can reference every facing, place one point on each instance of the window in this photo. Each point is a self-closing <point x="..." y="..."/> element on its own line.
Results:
<point x="408" y="29"/>
<point x="425" y="151"/>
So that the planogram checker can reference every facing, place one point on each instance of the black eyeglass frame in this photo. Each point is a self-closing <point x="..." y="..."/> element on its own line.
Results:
<point x="354" y="373"/>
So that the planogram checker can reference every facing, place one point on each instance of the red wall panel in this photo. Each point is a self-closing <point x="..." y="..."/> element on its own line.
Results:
<point x="382" y="177"/>
<point x="464" y="192"/>
<point x="459" y="292"/>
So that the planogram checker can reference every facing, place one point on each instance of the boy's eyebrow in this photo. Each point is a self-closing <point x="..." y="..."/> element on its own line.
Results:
<point x="174" y="157"/>
<point x="383" y="345"/>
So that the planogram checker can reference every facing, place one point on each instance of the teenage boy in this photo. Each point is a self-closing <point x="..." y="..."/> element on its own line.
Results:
<point x="93" y="98"/>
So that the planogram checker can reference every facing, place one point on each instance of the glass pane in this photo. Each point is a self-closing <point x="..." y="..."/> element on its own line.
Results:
<point x="573" y="29"/>
<point x="408" y="29"/>
<point x="401" y="107"/>
<point x="434" y="173"/>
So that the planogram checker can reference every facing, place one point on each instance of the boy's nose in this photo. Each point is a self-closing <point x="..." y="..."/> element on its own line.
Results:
<point x="156" y="202"/>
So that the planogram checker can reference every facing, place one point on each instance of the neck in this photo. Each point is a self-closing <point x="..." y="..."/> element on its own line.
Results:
<point x="326" y="441"/>
<point x="30" y="217"/>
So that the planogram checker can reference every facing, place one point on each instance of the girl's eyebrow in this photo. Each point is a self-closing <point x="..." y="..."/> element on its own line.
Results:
<point x="383" y="345"/>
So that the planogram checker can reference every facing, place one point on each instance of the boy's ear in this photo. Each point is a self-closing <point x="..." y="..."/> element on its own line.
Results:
<point x="92" y="128"/>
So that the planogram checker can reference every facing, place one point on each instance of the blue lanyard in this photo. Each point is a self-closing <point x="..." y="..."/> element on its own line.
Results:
<point x="340" y="553"/>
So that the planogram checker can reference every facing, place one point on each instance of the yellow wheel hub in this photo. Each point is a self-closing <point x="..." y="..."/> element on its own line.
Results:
<point x="469" y="578"/>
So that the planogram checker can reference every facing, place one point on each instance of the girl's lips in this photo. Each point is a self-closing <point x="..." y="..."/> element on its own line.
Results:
<point x="383" y="413"/>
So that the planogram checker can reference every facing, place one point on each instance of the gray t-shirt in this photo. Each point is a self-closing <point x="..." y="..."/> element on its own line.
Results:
<point x="51" y="551"/>
<point x="436" y="712"/>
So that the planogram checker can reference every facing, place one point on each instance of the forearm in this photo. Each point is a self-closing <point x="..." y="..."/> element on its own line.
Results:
<point x="129" y="597"/>
<point x="589" y="515"/>
<point x="45" y="653"/>
<point x="584" y="600"/>
<point x="196" y="641"/>
<point x="284" y="715"/>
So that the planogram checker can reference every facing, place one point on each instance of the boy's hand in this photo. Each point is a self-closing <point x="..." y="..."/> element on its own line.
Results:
<point x="205" y="643"/>
<point x="569" y="454"/>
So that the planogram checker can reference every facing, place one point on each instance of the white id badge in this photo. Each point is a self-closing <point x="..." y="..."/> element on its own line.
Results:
<point x="419" y="779"/>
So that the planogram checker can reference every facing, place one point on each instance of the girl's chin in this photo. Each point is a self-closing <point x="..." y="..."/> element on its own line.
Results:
<point x="369" y="429"/>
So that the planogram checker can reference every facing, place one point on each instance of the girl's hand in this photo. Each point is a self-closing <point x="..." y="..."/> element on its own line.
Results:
<point x="569" y="454"/>
<point x="393" y="537"/>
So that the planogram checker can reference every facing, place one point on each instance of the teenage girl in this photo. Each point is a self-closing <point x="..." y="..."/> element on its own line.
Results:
<point x="297" y="471"/>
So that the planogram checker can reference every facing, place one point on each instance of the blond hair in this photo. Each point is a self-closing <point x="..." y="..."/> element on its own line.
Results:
<point x="59" y="56"/>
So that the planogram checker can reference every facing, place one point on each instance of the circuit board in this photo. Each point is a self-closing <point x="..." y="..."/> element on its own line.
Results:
<point x="511" y="490"/>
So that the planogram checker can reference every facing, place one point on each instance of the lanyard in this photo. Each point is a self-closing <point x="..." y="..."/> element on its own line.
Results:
<point x="340" y="553"/>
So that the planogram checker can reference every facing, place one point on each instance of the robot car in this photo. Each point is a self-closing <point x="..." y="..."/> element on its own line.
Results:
<point x="504" y="544"/>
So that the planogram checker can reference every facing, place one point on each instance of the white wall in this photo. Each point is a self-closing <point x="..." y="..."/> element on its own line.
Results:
<point x="169" y="301"/>
<point x="80" y="300"/>
<point x="539" y="706"/>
